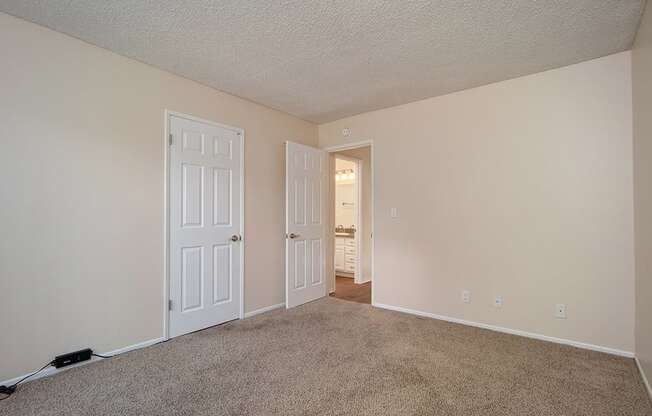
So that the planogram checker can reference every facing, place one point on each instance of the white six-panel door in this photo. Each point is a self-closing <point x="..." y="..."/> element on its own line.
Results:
<point x="205" y="224"/>
<point x="306" y="176"/>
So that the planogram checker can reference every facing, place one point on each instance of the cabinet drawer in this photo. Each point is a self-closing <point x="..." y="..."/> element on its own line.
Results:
<point x="350" y="250"/>
<point x="349" y="267"/>
<point x="350" y="258"/>
<point x="349" y="242"/>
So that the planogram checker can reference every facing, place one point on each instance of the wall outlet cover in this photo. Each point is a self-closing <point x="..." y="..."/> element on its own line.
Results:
<point x="560" y="311"/>
<point x="466" y="296"/>
<point x="498" y="301"/>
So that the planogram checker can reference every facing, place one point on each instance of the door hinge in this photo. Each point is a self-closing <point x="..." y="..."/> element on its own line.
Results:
<point x="170" y="139"/>
<point x="169" y="304"/>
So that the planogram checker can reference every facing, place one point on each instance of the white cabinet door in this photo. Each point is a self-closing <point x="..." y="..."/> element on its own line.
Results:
<point x="305" y="191"/>
<point x="205" y="195"/>
<point x="339" y="260"/>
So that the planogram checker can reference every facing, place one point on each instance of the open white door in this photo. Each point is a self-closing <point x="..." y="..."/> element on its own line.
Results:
<point x="306" y="171"/>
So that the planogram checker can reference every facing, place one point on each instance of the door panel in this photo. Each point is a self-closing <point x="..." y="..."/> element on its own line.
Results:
<point x="305" y="227"/>
<point x="222" y="277"/>
<point x="192" y="278"/>
<point x="222" y="196"/>
<point x="316" y="261"/>
<point x="300" y="264"/>
<point x="193" y="195"/>
<point x="205" y="195"/>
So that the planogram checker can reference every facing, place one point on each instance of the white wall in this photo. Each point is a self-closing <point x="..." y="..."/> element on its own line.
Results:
<point x="345" y="201"/>
<point x="81" y="195"/>
<point x="521" y="188"/>
<point x="642" y="87"/>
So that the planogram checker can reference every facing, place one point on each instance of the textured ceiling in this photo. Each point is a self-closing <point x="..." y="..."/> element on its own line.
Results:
<point x="324" y="60"/>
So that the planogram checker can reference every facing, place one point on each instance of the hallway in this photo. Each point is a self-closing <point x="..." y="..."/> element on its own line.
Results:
<point x="345" y="289"/>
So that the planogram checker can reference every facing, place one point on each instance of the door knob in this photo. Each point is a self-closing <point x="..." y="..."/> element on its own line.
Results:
<point x="235" y="237"/>
<point x="293" y="235"/>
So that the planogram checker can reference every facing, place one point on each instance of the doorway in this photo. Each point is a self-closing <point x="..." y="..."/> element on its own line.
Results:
<point x="310" y="230"/>
<point x="204" y="223"/>
<point x="352" y="218"/>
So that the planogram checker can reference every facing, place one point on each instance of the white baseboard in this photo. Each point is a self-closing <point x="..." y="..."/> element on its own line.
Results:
<point x="52" y="371"/>
<point x="644" y="377"/>
<point x="577" y="344"/>
<point x="263" y="310"/>
<point x="134" y="347"/>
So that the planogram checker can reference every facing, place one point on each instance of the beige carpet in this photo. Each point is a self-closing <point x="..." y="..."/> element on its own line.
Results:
<point x="334" y="357"/>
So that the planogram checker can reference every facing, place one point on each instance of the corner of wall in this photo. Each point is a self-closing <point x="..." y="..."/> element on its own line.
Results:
<point x="642" y="148"/>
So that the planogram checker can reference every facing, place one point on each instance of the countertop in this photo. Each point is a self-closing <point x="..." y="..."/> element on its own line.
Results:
<point x="345" y="235"/>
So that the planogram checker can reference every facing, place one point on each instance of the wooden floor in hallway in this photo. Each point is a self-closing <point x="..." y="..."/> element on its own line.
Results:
<point x="346" y="289"/>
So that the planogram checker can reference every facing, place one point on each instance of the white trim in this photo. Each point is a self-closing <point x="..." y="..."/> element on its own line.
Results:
<point x="50" y="371"/>
<point x="356" y="145"/>
<point x="577" y="344"/>
<point x="133" y="347"/>
<point x="166" y="212"/>
<point x="263" y="310"/>
<point x="166" y="224"/>
<point x="357" y="277"/>
<point x="372" y="169"/>
<point x="243" y="241"/>
<point x="348" y="146"/>
<point x="640" y="370"/>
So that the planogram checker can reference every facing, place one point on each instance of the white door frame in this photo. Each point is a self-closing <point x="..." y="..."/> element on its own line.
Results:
<point x="357" y="186"/>
<point x="166" y="212"/>
<point x="349" y="146"/>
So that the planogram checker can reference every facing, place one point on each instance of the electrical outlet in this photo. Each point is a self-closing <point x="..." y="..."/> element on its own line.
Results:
<point x="498" y="301"/>
<point x="393" y="212"/>
<point x="466" y="296"/>
<point x="560" y="311"/>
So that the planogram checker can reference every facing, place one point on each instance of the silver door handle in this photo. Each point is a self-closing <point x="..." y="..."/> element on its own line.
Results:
<point x="236" y="237"/>
<point x="293" y="235"/>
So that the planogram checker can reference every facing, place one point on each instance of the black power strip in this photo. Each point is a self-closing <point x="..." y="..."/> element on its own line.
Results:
<point x="71" y="358"/>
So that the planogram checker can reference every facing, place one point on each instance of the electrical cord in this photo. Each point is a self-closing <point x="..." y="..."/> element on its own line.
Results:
<point x="9" y="390"/>
<point x="102" y="356"/>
